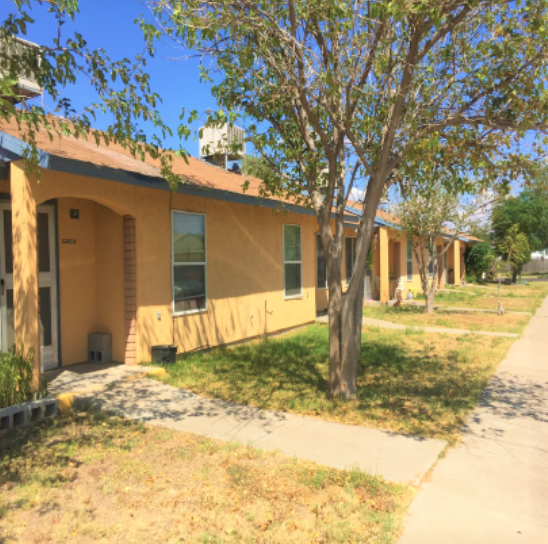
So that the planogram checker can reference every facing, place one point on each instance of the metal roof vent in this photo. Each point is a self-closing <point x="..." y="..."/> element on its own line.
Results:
<point x="11" y="59"/>
<point x="221" y="145"/>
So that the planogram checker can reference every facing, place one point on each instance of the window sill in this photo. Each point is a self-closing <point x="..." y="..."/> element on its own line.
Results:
<point x="296" y="297"/>
<point x="189" y="312"/>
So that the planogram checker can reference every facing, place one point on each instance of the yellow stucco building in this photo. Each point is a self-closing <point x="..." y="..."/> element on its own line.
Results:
<point x="100" y="244"/>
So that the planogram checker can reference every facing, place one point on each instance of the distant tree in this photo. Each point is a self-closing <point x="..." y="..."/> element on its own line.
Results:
<point x="528" y="210"/>
<point x="481" y="231"/>
<point x="515" y="250"/>
<point x="424" y="212"/>
<point x="479" y="260"/>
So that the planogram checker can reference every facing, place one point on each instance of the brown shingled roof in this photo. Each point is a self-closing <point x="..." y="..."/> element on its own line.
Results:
<point x="115" y="156"/>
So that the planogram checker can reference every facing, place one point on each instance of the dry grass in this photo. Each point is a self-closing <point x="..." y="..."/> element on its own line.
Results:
<point x="407" y="382"/>
<point x="415" y="316"/>
<point x="518" y="298"/>
<point x="94" y="478"/>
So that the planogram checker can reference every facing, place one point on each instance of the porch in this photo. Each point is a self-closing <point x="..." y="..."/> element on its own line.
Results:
<point x="67" y="269"/>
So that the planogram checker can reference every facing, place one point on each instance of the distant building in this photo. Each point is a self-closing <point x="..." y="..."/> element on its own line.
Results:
<point x="540" y="254"/>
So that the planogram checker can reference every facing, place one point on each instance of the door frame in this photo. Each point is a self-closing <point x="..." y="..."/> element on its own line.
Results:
<point x="49" y="356"/>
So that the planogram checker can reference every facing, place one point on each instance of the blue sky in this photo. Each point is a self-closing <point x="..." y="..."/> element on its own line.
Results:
<point x="110" y="24"/>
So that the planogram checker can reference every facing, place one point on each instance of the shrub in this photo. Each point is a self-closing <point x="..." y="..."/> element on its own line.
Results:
<point x="15" y="377"/>
<point x="479" y="260"/>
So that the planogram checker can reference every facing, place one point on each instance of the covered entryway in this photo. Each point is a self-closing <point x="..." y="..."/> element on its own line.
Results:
<point x="47" y="283"/>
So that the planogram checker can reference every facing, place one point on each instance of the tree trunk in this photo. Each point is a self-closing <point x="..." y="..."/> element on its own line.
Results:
<point x="429" y="300"/>
<point x="334" y="310"/>
<point x="352" y="319"/>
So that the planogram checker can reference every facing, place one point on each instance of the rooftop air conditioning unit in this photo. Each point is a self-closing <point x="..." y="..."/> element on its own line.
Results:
<point x="26" y="86"/>
<point x="218" y="145"/>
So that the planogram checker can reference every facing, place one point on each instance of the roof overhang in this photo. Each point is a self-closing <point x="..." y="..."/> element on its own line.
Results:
<point x="13" y="148"/>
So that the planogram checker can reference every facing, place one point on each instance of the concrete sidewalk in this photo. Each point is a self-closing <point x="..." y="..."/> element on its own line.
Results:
<point x="493" y="487"/>
<point x="127" y="391"/>
<point x="368" y="321"/>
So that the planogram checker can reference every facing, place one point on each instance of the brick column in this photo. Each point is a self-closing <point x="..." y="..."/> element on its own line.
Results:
<point x="130" y="291"/>
<point x="25" y="268"/>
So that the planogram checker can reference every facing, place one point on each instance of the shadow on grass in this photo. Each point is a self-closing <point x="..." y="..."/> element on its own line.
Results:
<point x="402" y="384"/>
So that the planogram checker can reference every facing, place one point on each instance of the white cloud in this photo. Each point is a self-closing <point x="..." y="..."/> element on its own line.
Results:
<point x="357" y="195"/>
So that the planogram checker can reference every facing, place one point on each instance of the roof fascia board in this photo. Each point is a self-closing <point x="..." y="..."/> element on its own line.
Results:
<point x="13" y="148"/>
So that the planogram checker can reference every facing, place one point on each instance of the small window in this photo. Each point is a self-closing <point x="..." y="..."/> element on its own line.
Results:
<point x="409" y="260"/>
<point x="189" y="262"/>
<point x="321" y="264"/>
<point x="292" y="261"/>
<point x="350" y="256"/>
<point x="431" y="267"/>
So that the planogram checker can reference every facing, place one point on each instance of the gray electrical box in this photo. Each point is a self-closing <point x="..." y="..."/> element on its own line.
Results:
<point x="100" y="347"/>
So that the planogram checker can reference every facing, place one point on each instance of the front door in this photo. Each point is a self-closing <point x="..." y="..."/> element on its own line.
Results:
<point x="47" y="284"/>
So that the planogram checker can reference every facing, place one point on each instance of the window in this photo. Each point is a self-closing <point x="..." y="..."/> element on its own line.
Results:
<point x="292" y="261"/>
<point x="189" y="262"/>
<point x="431" y="267"/>
<point x="321" y="264"/>
<point x="409" y="260"/>
<point x="350" y="256"/>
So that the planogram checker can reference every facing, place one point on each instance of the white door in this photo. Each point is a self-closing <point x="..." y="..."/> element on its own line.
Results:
<point x="47" y="284"/>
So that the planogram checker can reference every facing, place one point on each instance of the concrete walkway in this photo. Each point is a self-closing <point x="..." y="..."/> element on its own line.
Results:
<point x="127" y="391"/>
<point x="440" y="330"/>
<point x="493" y="487"/>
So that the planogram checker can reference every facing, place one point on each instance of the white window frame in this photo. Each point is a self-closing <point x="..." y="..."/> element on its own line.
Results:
<point x="409" y="259"/>
<point x="326" y="286"/>
<point x="347" y="281"/>
<point x="300" y="295"/>
<point x="174" y="264"/>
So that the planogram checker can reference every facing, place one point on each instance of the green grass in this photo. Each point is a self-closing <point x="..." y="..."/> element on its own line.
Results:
<point x="408" y="381"/>
<point x="96" y="478"/>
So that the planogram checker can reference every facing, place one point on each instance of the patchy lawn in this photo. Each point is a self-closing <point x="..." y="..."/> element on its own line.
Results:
<point x="415" y="316"/>
<point x="520" y="298"/>
<point x="94" y="478"/>
<point x="407" y="382"/>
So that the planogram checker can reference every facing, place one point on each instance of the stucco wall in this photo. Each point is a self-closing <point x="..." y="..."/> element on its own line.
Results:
<point x="77" y="278"/>
<point x="90" y="278"/>
<point x="245" y="274"/>
<point x="109" y="278"/>
<point x="244" y="267"/>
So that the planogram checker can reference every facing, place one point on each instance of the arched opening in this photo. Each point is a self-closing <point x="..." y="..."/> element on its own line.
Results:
<point x="92" y="279"/>
<point x="85" y="256"/>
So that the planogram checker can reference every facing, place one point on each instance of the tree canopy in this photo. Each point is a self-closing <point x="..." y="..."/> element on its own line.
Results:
<point x="122" y="86"/>
<point x="343" y="93"/>
<point x="515" y="249"/>
<point x="479" y="260"/>
<point x="528" y="210"/>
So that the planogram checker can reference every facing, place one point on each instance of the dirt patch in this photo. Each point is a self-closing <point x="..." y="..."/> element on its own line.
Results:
<point x="96" y="478"/>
